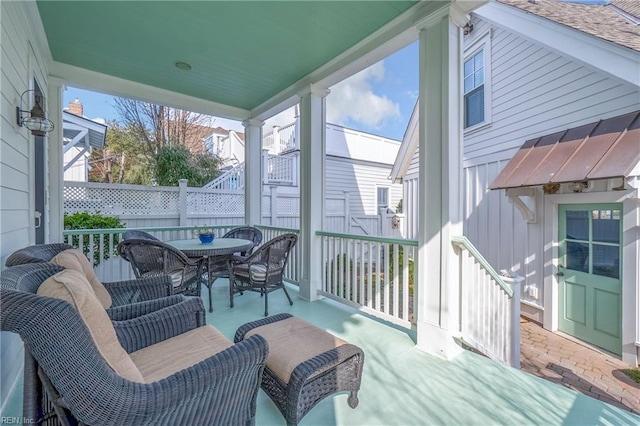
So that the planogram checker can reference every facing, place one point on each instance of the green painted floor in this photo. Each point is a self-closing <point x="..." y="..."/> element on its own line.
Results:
<point x="404" y="386"/>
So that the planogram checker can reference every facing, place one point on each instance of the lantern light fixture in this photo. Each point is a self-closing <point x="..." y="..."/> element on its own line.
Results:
<point x="36" y="120"/>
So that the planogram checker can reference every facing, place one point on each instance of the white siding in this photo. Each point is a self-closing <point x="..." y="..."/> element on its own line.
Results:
<point x="362" y="181"/>
<point x="78" y="171"/>
<point x="534" y="92"/>
<point x="22" y="60"/>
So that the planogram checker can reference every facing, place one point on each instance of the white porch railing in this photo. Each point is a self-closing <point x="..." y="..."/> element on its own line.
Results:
<point x="280" y="169"/>
<point x="100" y="247"/>
<point x="280" y="139"/>
<point x="232" y="179"/>
<point x="373" y="274"/>
<point x="489" y="306"/>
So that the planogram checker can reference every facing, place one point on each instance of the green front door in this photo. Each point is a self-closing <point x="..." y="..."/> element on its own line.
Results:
<point x="590" y="284"/>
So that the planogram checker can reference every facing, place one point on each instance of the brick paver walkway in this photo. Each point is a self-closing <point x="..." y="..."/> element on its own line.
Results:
<point x="577" y="366"/>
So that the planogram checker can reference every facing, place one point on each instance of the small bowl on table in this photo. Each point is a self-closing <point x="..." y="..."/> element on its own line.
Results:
<point x="206" y="238"/>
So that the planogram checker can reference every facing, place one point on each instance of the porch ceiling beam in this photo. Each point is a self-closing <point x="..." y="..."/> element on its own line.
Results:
<point x="388" y="39"/>
<point x="91" y="80"/>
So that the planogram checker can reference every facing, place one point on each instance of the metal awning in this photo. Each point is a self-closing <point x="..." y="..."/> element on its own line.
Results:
<point x="605" y="149"/>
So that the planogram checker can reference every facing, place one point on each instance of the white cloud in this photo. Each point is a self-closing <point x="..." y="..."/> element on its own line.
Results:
<point x="354" y="99"/>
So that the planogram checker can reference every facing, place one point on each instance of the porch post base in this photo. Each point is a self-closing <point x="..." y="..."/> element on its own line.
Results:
<point x="437" y="341"/>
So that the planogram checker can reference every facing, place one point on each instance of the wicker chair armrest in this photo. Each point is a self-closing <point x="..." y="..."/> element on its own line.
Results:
<point x="154" y="327"/>
<point x="133" y="310"/>
<point x="321" y="363"/>
<point x="132" y="291"/>
<point x="244" y="328"/>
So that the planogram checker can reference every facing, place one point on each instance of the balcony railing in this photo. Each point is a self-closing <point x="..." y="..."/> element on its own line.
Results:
<point x="374" y="274"/>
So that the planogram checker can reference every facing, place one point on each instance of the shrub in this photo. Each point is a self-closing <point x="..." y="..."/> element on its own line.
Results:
<point x="86" y="220"/>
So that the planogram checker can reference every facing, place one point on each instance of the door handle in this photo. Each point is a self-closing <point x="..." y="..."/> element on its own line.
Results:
<point x="560" y="274"/>
<point x="38" y="217"/>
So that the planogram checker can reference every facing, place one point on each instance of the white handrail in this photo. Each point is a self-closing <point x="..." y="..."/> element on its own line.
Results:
<point x="489" y="306"/>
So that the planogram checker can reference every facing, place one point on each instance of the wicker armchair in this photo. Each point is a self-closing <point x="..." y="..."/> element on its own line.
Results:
<point x="121" y="292"/>
<point x="36" y="253"/>
<point x="133" y="234"/>
<point x="263" y="271"/>
<point x="218" y="266"/>
<point x="151" y="258"/>
<point x="79" y="386"/>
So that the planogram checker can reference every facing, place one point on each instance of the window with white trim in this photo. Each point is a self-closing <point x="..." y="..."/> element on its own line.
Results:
<point x="477" y="87"/>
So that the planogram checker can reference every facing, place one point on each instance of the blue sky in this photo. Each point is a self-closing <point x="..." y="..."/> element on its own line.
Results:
<point x="378" y="100"/>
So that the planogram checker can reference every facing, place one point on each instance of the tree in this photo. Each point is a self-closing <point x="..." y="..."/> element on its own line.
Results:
<point x="122" y="160"/>
<point x="158" y="126"/>
<point x="173" y="163"/>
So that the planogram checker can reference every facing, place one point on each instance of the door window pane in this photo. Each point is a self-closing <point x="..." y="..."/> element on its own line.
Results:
<point x="606" y="229"/>
<point x="577" y="257"/>
<point x="577" y="225"/>
<point x="606" y="261"/>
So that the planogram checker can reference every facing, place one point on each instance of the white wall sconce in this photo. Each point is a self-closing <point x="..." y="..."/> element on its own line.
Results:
<point x="35" y="121"/>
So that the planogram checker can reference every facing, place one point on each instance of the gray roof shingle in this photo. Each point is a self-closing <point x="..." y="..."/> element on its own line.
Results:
<point x="601" y="21"/>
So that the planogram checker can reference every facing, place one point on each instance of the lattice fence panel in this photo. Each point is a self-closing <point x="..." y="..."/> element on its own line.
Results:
<point x="215" y="203"/>
<point x="288" y="206"/>
<point x="122" y="201"/>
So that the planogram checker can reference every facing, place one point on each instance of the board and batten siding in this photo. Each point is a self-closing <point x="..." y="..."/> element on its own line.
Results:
<point x="535" y="92"/>
<point x="23" y="58"/>
<point x="361" y="180"/>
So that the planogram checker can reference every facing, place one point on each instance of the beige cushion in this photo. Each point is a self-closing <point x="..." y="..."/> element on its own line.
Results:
<point x="72" y="287"/>
<point x="293" y="341"/>
<point x="257" y="271"/>
<point x="76" y="260"/>
<point x="163" y="359"/>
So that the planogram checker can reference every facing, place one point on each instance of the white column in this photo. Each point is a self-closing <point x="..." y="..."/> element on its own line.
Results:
<point x="312" y="159"/>
<point x="630" y="279"/>
<point x="439" y="183"/>
<point x="55" y="185"/>
<point x="252" y="171"/>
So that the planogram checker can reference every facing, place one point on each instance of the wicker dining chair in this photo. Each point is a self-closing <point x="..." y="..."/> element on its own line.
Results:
<point x="133" y="234"/>
<point x="263" y="271"/>
<point x="218" y="266"/>
<point x="150" y="258"/>
<point x="68" y="380"/>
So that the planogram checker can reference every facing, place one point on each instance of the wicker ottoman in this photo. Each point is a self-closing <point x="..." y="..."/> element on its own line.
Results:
<point x="305" y="364"/>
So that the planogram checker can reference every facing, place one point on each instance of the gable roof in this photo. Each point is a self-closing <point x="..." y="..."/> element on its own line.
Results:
<point x="602" y="21"/>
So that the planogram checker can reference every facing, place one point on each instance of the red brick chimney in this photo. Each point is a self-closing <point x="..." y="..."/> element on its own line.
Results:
<point x="75" y="107"/>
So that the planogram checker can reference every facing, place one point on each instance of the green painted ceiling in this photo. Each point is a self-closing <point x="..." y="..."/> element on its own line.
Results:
<point x="242" y="52"/>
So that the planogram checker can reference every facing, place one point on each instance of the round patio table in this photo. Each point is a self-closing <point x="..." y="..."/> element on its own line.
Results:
<point x="219" y="247"/>
<point x="214" y="255"/>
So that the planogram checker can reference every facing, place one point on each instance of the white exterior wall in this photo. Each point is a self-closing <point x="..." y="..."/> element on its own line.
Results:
<point x="78" y="172"/>
<point x="24" y="57"/>
<point x="534" y="92"/>
<point x="361" y="180"/>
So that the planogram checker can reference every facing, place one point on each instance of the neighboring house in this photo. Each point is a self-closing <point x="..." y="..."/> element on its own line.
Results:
<point x="552" y="161"/>
<point x="80" y="136"/>
<point x="228" y="145"/>
<point x="358" y="166"/>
